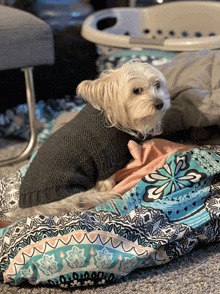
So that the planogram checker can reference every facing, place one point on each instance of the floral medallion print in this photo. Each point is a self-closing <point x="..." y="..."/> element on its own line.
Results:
<point x="172" y="177"/>
<point x="76" y="257"/>
<point x="104" y="258"/>
<point x="48" y="265"/>
<point x="128" y="264"/>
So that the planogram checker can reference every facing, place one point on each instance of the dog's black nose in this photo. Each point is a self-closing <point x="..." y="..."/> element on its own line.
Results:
<point x="158" y="104"/>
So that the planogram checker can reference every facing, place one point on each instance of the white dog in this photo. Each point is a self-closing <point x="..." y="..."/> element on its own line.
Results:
<point x="130" y="103"/>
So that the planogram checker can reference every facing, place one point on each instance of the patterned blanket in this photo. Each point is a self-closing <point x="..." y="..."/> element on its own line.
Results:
<point x="165" y="215"/>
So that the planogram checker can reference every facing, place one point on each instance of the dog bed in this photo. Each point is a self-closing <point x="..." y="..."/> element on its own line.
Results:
<point x="165" y="215"/>
<point x="169" y="211"/>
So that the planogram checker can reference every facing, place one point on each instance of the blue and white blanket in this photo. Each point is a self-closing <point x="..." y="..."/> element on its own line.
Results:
<point x="167" y="214"/>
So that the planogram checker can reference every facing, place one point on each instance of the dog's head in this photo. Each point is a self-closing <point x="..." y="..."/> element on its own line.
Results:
<point x="134" y="97"/>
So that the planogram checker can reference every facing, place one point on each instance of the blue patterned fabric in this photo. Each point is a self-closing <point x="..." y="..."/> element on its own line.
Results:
<point x="15" y="122"/>
<point x="116" y="59"/>
<point x="167" y="214"/>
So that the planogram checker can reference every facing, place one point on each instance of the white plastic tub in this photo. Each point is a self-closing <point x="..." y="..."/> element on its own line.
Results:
<point x="175" y="26"/>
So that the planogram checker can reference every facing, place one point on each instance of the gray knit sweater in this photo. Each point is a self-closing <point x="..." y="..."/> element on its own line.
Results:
<point x="74" y="158"/>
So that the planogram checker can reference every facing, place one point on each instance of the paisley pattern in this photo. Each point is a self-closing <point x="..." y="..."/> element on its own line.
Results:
<point x="167" y="214"/>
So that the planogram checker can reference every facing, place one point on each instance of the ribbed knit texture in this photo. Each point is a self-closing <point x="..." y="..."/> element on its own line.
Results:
<point x="74" y="158"/>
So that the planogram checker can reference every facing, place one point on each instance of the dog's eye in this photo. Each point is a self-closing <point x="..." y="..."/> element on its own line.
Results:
<point x="157" y="85"/>
<point x="138" y="90"/>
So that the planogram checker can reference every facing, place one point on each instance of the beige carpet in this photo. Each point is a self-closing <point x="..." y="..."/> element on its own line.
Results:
<point x="195" y="273"/>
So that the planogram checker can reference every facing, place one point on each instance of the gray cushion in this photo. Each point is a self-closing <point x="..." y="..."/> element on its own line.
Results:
<point x="25" y="40"/>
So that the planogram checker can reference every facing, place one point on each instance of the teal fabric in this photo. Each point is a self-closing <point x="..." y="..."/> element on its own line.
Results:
<point x="167" y="214"/>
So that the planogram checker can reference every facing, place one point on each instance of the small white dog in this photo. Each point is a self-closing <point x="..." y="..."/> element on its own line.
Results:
<point x="133" y="100"/>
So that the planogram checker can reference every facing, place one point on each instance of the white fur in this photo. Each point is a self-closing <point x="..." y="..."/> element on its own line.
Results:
<point x="113" y="93"/>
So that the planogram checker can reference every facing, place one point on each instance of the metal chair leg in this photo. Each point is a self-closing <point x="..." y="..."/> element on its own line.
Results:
<point x="29" y="82"/>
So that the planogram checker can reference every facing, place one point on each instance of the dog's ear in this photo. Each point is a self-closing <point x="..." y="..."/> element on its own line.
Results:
<point x="99" y="92"/>
<point x="85" y="90"/>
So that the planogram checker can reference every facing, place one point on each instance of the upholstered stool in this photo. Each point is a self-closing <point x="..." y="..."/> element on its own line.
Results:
<point x="25" y="42"/>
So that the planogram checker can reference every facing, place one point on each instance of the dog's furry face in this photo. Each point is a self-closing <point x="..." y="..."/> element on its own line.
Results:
<point x="134" y="97"/>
